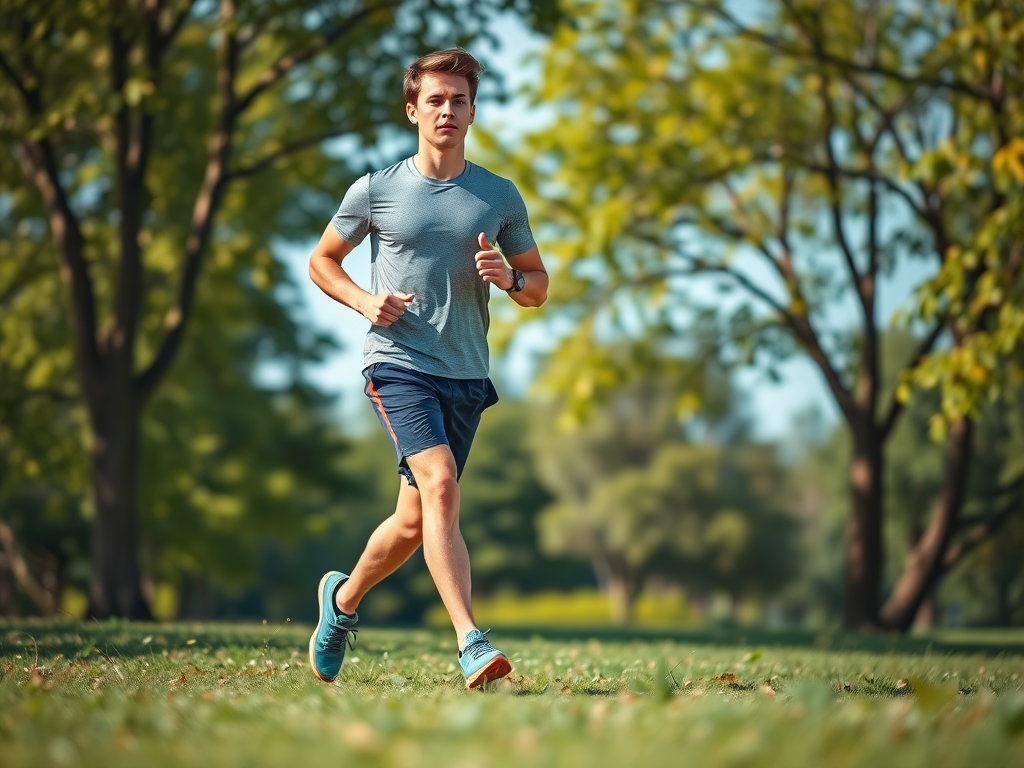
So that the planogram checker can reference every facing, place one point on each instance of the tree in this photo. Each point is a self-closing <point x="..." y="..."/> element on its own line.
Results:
<point x="502" y="499"/>
<point x="636" y="500"/>
<point x="798" y="157"/>
<point x="231" y="462"/>
<point x="145" y="130"/>
<point x="987" y="581"/>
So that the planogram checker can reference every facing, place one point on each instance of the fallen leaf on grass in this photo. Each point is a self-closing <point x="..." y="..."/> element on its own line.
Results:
<point x="727" y="677"/>
<point x="768" y="691"/>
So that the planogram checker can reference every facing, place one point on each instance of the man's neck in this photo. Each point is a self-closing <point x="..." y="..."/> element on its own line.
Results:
<point x="440" y="164"/>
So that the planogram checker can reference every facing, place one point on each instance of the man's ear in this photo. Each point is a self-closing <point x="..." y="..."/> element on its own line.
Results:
<point x="410" y="111"/>
<point x="472" y="113"/>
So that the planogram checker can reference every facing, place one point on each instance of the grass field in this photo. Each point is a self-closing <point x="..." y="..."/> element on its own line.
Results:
<point x="122" y="694"/>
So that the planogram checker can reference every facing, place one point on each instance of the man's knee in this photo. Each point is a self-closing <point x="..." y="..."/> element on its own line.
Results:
<point x="436" y="476"/>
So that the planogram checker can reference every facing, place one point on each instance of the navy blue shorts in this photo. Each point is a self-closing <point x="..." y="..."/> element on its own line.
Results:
<point x="421" y="411"/>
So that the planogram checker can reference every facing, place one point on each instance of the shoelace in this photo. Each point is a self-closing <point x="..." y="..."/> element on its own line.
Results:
<point x="478" y="647"/>
<point x="335" y="640"/>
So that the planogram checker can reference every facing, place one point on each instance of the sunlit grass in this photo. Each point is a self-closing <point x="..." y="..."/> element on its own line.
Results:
<point x="120" y="694"/>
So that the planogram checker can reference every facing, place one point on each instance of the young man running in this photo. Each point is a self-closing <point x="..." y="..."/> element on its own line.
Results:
<point x="432" y="219"/>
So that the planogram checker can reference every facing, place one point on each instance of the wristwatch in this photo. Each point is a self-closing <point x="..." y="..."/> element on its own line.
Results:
<point x="518" y="281"/>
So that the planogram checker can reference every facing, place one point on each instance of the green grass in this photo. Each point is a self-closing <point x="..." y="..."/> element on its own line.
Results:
<point x="122" y="694"/>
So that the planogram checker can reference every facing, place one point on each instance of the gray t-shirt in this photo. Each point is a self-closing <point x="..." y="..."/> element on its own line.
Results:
<point x="423" y="240"/>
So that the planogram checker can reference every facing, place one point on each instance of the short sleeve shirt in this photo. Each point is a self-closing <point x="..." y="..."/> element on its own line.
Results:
<point x="423" y="240"/>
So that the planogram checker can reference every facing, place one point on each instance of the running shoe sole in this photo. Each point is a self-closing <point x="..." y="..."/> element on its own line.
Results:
<point x="493" y="670"/>
<point x="312" y="639"/>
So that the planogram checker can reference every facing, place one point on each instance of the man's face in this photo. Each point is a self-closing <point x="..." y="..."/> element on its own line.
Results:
<point x="442" y="111"/>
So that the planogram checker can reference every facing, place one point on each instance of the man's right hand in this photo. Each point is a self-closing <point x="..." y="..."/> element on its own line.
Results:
<point x="384" y="308"/>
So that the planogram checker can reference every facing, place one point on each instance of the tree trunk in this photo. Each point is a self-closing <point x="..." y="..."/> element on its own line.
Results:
<point x="924" y="564"/>
<point x="7" y="594"/>
<point x="928" y="614"/>
<point x="115" y="586"/>
<point x="864" y="553"/>
<point x="620" y="582"/>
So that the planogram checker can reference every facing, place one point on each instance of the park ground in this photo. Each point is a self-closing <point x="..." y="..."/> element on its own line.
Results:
<point x="120" y="694"/>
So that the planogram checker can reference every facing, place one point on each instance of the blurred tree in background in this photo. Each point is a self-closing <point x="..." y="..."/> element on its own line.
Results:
<point x="795" y="155"/>
<point x="986" y="586"/>
<point x="638" y="500"/>
<point x="152" y="142"/>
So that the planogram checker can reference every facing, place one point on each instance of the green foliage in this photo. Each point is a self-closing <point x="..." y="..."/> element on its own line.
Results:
<point x="501" y="502"/>
<point x="636" y="499"/>
<point x="93" y="93"/>
<point x="213" y="695"/>
<point x="978" y="168"/>
<point x="742" y="179"/>
<point x="749" y="152"/>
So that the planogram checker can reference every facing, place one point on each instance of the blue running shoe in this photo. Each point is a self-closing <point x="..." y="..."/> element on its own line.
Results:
<point x="480" y="661"/>
<point x="327" y="644"/>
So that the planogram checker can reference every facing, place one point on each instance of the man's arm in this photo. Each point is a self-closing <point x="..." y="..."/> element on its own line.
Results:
<point x="330" y="277"/>
<point x="493" y="269"/>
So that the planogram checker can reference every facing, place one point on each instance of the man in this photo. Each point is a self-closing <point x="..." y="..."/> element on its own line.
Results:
<point x="432" y="219"/>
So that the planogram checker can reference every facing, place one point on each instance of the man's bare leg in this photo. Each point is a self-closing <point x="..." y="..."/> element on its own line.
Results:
<point x="388" y="547"/>
<point x="444" y="549"/>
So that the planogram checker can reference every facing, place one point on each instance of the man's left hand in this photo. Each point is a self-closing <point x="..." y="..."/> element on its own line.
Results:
<point x="491" y="266"/>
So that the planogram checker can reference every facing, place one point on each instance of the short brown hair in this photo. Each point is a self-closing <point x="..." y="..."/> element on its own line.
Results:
<point x="454" y="60"/>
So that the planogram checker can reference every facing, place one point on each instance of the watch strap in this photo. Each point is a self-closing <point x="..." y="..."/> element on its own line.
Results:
<point x="518" y="281"/>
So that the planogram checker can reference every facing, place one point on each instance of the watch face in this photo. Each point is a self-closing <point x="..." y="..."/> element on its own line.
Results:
<point x="520" y="280"/>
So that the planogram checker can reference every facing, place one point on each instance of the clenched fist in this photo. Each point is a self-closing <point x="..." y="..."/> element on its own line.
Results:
<point x="491" y="265"/>
<point x="384" y="308"/>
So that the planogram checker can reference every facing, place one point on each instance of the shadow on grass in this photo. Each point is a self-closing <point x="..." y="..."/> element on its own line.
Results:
<point x="116" y="638"/>
<point x="952" y="642"/>
<point x="121" y="639"/>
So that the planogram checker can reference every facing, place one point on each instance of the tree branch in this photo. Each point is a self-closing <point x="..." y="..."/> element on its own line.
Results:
<point x="799" y="323"/>
<point x="896" y="408"/>
<point x="203" y="210"/>
<point x="284" y="150"/>
<point x="980" y="533"/>
<point x="38" y="163"/>
<point x="835" y="204"/>
<point x="290" y="61"/>
<point x="871" y="68"/>
<point x="167" y="36"/>
<point x="16" y="564"/>
<point x="865" y="175"/>
<point x="16" y="81"/>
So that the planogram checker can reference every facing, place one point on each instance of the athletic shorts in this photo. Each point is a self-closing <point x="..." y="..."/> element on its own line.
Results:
<point x="420" y="411"/>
